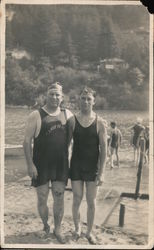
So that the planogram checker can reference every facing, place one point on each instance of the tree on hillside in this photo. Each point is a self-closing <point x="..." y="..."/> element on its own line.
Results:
<point x="137" y="16"/>
<point x="89" y="49"/>
<point x="135" y="77"/>
<point x="108" y="43"/>
<point x="72" y="51"/>
<point x="19" y="87"/>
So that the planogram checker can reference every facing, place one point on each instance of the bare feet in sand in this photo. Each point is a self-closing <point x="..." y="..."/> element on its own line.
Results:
<point x="59" y="237"/>
<point x="91" y="239"/>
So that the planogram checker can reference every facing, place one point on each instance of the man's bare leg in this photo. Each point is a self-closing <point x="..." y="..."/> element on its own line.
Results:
<point x="134" y="153"/>
<point x="42" y="197"/>
<point x="91" y="191"/>
<point x="77" y="188"/>
<point x="58" y="189"/>
<point x="111" y="157"/>
<point x="147" y="156"/>
<point x="117" y="155"/>
<point x="138" y="156"/>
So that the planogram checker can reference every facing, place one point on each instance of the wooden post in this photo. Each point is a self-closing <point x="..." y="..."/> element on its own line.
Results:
<point x="121" y="215"/>
<point x="142" y="147"/>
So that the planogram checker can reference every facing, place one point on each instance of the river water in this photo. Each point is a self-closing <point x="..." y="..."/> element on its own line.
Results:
<point x="15" y="120"/>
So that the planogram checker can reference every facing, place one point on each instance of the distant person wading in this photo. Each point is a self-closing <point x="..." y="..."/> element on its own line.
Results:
<point x="114" y="143"/>
<point x="137" y="129"/>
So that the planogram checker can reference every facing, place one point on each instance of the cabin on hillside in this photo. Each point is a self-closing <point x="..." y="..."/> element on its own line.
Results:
<point x="18" y="54"/>
<point x="112" y="64"/>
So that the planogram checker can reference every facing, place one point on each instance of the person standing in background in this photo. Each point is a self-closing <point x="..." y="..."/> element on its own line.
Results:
<point x="137" y="129"/>
<point x="115" y="142"/>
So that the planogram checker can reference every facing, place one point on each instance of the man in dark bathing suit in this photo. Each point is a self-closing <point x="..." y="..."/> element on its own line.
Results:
<point x="47" y="161"/>
<point x="88" y="159"/>
<point x="137" y="129"/>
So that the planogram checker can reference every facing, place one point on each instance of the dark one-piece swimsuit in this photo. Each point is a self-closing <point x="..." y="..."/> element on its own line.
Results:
<point x="85" y="153"/>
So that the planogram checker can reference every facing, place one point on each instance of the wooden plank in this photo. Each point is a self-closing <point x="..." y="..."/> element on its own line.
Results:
<point x="133" y="196"/>
<point x="111" y="210"/>
<point x="14" y="150"/>
<point x="128" y="195"/>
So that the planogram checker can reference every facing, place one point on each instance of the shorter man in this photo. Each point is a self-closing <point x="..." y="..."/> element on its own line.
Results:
<point x="88" y="159"/>
<point x="115" y="142"/>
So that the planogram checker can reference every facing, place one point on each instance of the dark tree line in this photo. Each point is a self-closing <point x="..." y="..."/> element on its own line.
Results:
<point x="66" y="43"/>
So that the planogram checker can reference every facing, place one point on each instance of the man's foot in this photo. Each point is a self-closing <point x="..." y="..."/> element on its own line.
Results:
<point x="46" y="229"/>
<point x="59" y="237"/>
<point x="77" y="234"/>
<point x="91" y="239"/>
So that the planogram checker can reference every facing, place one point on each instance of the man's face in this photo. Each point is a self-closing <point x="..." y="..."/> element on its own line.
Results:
<point x="87" y="101"/>
<point x="54" y="97"/>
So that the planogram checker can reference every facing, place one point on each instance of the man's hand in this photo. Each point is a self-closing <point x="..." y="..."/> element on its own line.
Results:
<point x="99" y="180"/>
<point x="32" y="171"/>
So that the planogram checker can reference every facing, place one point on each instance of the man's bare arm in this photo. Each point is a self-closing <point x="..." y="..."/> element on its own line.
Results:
<point x="27" y="144"/>
<point x="102" y="133"/>
<point x="71" y="126"/>
<point x="120" y="136"/>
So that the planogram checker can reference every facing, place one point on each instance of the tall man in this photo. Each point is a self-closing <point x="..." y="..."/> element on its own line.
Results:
<point x="48" y="159"/>
<point x="88" y="159"/>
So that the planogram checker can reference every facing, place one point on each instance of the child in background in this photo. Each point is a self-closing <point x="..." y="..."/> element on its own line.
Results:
<point x="115" y="142"/>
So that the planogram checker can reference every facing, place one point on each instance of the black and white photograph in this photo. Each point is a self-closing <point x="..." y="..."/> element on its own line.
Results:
<point x="76" y="125"/>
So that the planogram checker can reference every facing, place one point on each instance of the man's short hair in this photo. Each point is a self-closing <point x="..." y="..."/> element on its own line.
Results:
<point x="113" y="124"/>
<point x="87" y="90"/>
<point x="139" y="120"/>
<point x="55" y="86"/>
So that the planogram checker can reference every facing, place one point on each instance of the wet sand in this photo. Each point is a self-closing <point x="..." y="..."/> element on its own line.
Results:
<point x="23" y="225"/>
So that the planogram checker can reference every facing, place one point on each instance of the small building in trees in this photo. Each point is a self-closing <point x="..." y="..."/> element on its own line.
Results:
<point x="112" y="64"/>
<point x="18" y="54"/>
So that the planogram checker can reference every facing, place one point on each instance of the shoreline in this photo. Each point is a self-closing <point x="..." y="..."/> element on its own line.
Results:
<point x="104" y="110"/>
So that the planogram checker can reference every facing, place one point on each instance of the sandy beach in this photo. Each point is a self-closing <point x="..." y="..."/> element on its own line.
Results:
<point x="23" y="225"/>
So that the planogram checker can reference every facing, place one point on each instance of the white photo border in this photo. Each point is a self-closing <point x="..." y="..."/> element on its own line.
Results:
<point x="2" y="124"/>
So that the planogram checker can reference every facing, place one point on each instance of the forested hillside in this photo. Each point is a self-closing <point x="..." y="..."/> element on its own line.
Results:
<point x="66" y="43"/>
